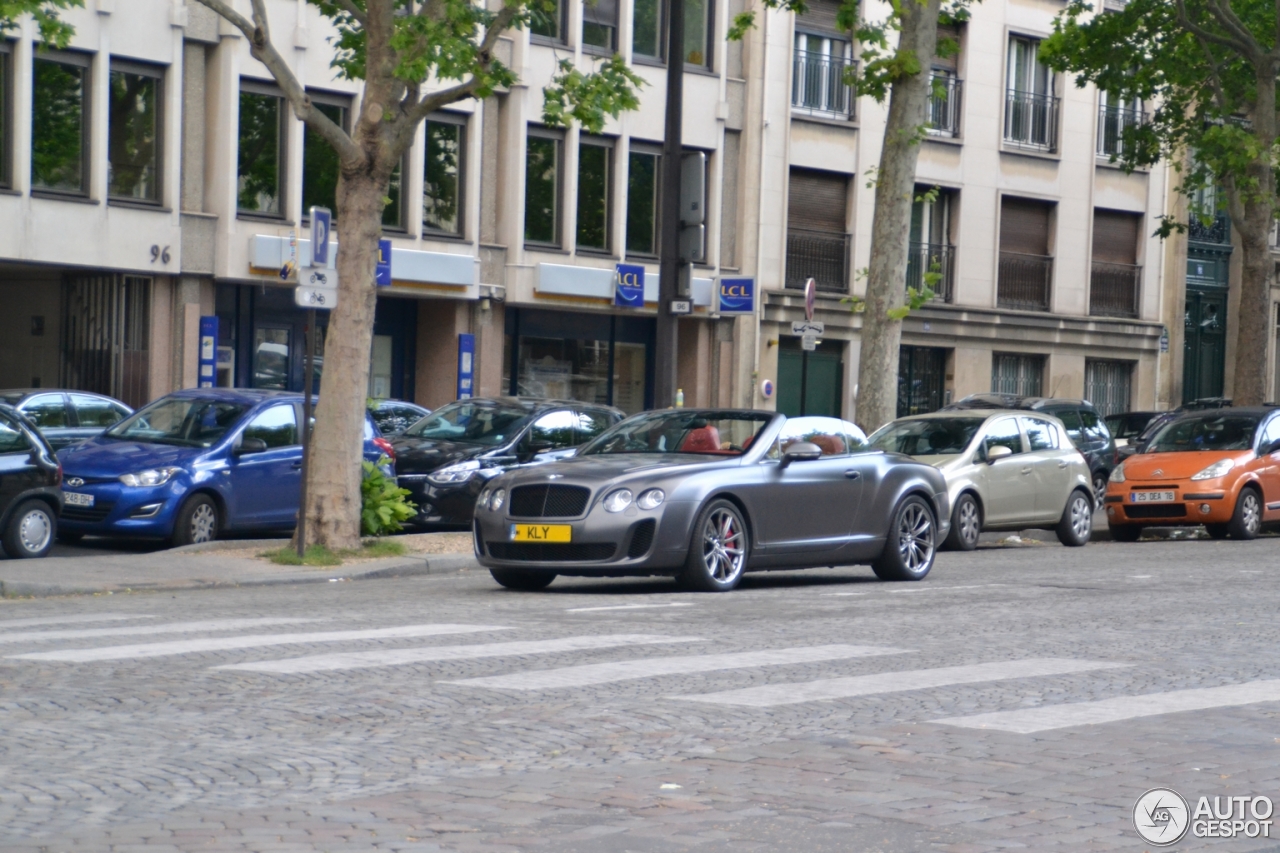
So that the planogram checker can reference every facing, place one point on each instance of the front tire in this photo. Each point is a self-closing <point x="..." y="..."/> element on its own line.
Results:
<point x="198" y="521"/>
<point x="31" y="530"/>
<point x="717" y="550"/>
<point x="1246" y="522"/>
<point x="966" y="524"/>
<point x="911" y="545"/>
<point x="1076" y="524"/>
<point x="526" y="581"/>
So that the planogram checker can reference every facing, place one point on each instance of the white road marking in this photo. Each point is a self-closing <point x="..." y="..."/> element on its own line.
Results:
<point x="946" y="588"/>
<point x="249" y="641"/>
<point x="824" y="594"/>
<point x="896" y="682"/>
<point x="605" y="673"/>
<point x="6" y="624"/>
<point x="399" y="657"/>
<point x="1139" y="577"/>
<point x="1029" y="720"/>
<point x="629" y="607"/>
<point x="135" y="630"/>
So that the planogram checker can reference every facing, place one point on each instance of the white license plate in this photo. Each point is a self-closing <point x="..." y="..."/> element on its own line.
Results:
<point x="77" y="499"/>
<point x="1152" y="497"/>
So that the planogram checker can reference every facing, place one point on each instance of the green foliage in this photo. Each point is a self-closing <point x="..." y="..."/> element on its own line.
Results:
<point x="588" y="98"/>
<point x="315" y="555"/>
<point x="382" y="548"/>
<point x="53" y="30"/>
<point x="383" y="504"/>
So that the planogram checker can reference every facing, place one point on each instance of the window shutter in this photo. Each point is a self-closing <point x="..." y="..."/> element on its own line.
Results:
<point x="820" y="16"/>
<point x="949" y="63"/>
<point x="1115" y="236"/>
<point x="817" y="200"/>
<point x="1024" y="226"/>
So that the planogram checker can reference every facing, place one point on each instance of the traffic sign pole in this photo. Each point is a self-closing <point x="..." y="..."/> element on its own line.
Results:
<point x="306" y="428"/>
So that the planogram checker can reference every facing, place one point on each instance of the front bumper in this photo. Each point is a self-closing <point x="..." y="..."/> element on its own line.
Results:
<point x="120" y="510"/>
<point x="453" y="504"/>
<point x="1206" y="502"/>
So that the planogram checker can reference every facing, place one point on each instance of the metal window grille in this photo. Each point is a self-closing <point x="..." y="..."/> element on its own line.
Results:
<point x="943" y="117"/>
<point x="819" y="255"/>
<point x="1021" y="375"/>
<point x="818" y="84"/>
<point x="1031" y="120"/>
<point x="1113" y="289"/>
<point x="937" y="258"/>
<point x="106" y="334"/>
<point x="1113" y="122"/>
<point x="1107" y="385"/>
<point x="1024" y="281"/>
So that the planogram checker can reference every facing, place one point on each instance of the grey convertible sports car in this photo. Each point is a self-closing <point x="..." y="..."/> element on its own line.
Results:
<point x="706" y="494"/>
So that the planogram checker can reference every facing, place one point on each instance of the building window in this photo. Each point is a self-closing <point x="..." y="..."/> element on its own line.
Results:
<point x="930" y="249"/>
<point x="642" y="202"/>
<point x="697" y="32"/>
<point x="647" y="27"/>
<point x="393" y="211"/>
<point x="260" y="165"/>
<point x="648" y="30"/>
<point x="943" y="109"/>
<point x="818" y="84"/>
<point x="547" y="20"/>
<point x="6" y="119"/>
<point x="320" y="161"/>
<point x="817" y="230"/>
<point x="1115" y="277"/>
<point x="1021" y="375"/>
<point x="921" y="380"/>
<point x="442" y="175"/>
<point x="59" y="126"/>
<point x="134" y="133"/>
<point x="594" y="198"/>
<point x="1107" y="385"/>
<point x="1116" y="117"/>
<point x="542" y="190"/>
<point x="1026" y="267"/>
<point x="1031" y="110"/>
<point x="600" y="24"/>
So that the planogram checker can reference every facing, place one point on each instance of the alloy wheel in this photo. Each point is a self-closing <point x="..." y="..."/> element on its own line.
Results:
<point x="722" y="545"/>
<point x="1099" y="490"/>
<point x="1250" y="512"/>
<point x="1081" y="516"/>
<point x="34" y="531"/>
<point x="204" y="523"/>
<point x="915" y="537"/>
<point x="968" y="521"/>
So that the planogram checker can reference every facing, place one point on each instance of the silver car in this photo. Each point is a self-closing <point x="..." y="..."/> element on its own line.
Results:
<point x="1005" y="470"/>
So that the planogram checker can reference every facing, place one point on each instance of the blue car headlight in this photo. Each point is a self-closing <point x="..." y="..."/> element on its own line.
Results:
<point x="150" y="477"/>
<point x="459" y="473"/>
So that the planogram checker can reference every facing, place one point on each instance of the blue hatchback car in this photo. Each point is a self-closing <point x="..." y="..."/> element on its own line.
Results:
<point x="193" y="465"/>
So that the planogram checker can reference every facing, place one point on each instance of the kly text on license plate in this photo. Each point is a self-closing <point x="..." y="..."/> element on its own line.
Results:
<point x="1152" y="497"/>
<point x="77" y="499"/>
<point x="541" y="532"/>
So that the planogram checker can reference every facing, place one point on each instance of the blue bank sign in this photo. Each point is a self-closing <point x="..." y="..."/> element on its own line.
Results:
<point x="736" y="296"/>
<point x="629" y="291"/>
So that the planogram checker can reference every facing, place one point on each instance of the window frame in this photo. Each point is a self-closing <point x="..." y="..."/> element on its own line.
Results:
<point x="561" y="38"/>
<point x="708" y="42"/>
<point x="647" y="150"/>
<point x="664" y="19"/>
<point x="462" y="122"/>
<point x="829" y="96"/>
<point x="253" y="86"/>
<point x="614" y="29"/>
<point x="6" y="113"/>
<point x="160" y="74"/>
<point x="82" y="60"/>
<point x="558" y="236"/>
<point x="328" y="99"/>
<point x="647" y="58"/>
<point x="609" y="145"/>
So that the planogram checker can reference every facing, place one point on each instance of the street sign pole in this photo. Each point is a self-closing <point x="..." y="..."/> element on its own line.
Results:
<point x="810" y="295"/>
<point x="306" y="428"/>
<point x="667" y="337"/>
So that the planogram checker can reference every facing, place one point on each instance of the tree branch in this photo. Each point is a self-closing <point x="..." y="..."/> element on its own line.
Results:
<point x="1199" y="31"/>
<point x="1227" y="18"/>
<point x="353" y="10"/>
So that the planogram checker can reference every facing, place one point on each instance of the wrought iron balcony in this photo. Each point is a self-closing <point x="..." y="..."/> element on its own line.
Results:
<point x="1113" y="122"/>
<point x="820" y="255"/>
<point x="1113" y="289"/>
<point x="1217" y="231"/>
<point x="818" y="84"/>
<point x="937" y="258"/>
<point x="1031" y="120"/>
<point x="1024" y="281"/>
<point x="944" y="106"/>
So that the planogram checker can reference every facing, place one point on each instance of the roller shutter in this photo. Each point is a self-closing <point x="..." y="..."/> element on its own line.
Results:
<point x="1024" y="226"/>
<point x="817" y="201"/>
<point x="1115" y="236"/>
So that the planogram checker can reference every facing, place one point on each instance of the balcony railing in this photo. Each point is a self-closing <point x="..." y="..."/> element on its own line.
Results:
<point x="820" y="255"/>
<point x="1113" y="289"/>
<point x="1113" y="122"/>
<point x="944" y="106"/>
<point x="1031" y="120"/>
<point x="818" y="85"/>
<point x="1024" y="281"/>
<point x="1217" y="231"/>
<point x="925" y="258"/>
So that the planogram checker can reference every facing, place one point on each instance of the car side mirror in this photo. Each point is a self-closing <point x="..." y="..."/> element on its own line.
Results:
<point x="251" y="445"/>
<point x="997" y="452"/>
<point x="801" y="451"/>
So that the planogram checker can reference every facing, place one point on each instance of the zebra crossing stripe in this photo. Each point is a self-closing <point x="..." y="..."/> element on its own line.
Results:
<point x="141" y="630"/>
<point x="605" y="673"/>
<point x="399" y="657"/>
<point x="1030" y="720"/>
<point x="248" y="641"/>
<point x="6" y="624"/>
<point x="896" y="682"/>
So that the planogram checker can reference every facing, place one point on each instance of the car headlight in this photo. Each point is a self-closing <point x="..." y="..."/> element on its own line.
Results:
<point x="618" y="501"/>
<point x="651" y="499"/>
<point x="495" y="502"/>
<point x="1117" y="474"/>
<point x="483" y="500"/>
<point x="459" y="473"/>
<point x="1216" y="470"/>
<point x="149" y="477"/>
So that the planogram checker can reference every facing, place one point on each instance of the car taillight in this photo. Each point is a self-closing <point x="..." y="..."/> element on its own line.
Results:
<point x="385" y="446"/>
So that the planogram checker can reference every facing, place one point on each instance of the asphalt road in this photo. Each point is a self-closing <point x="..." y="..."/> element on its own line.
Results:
<point x="1019" y="698"/>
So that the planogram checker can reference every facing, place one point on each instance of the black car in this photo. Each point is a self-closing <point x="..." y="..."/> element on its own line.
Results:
<point x="30" y="487"/>
<point x="66" y="417"/>
<point x="707" y="494"/>
<point x="1085" y="426"/>
<point x="446" y="459"/>
<point x="395" y="416"/>
<point x="1126" y="427"/>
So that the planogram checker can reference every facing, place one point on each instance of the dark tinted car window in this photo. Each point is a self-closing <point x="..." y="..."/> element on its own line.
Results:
<point x="592" y="422"/>
<point x="1004" y="433"/>
<point x="471" y="422"/>
<point x="186" y="421"/>
<point x="95" y="411"/>
<point x="1040" y="434"/>
<point x="1094" y="428"/>
<point x="927" y="436"/>
<point x="552" y="430"/>
<point x="277" y="426"/>
<point x="1207" y="432"/>
<point x="12" y="439"/>
<point x="46" y="411"/>
<point x="1071" y="420"/>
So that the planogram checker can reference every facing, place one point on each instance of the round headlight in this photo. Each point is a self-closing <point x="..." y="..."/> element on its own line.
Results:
<point x="651" y="499"/>
<point x="483" y="500"/>
<point x="495" y="502"/>
<point x="618" y="501"/>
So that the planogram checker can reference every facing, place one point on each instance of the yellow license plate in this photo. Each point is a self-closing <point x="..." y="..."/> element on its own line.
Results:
<point x="541" y="532"/>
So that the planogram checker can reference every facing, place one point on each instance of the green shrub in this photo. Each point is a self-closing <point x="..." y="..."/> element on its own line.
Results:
<point x="383" y="504"/>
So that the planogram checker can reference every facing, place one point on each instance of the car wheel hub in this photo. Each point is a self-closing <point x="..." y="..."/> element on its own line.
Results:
<point x="915" y="537"/>
<point x="722" y="545"/>
<point x="203" y="523"/>
<point x="969" y="521"/>
<point x="1081" y="516"/>
<point x="1250" y="512"/>
<point x="34" y="531"/>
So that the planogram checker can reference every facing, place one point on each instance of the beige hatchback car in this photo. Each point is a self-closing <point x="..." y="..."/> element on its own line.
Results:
<point x="1005" y="470"/>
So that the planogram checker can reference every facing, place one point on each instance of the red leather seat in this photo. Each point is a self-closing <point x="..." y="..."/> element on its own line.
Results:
<point x="702" y="440"/>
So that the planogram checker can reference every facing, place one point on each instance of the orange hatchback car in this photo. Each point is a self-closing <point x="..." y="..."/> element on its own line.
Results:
<point x="1219" y="468"/>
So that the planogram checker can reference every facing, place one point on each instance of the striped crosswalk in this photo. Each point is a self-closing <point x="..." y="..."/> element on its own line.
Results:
<point x="602" y="665"/>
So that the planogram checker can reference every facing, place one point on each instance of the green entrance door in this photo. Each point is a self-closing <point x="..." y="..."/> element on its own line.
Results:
<point x="921" y="372"/>
<point x="1204" y="353"/>
<point x="812" y="388"/>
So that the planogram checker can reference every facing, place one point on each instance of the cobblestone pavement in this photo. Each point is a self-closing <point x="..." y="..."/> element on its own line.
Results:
<point x="350" y="717"/>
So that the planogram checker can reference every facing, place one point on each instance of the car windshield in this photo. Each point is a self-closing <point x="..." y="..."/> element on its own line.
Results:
<point x="471" y="422"/>
<point x="718" y="433"/>
<point x="184" y="421"/>
<point x="1206" y="432"/>
<point x="927" y="436"/>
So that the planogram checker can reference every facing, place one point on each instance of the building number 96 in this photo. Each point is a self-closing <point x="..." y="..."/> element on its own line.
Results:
<point x="160" y="254"/>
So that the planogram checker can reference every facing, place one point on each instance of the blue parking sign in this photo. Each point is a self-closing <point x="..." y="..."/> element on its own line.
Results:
<point x="382" y="276"/>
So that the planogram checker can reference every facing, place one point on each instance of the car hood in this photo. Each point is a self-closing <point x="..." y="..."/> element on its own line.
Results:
<point x="612" y="466"/>
<point x="1177" y="466"/>
<point x="105" y="457"/>
<point x="419" y="456"/>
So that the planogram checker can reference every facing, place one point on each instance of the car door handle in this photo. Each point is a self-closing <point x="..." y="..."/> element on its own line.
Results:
<point x="852" y="474"/>
<point x="297" y="465"/>
<point x="1026" y="470"/>
<point x="1062" y="463"/>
